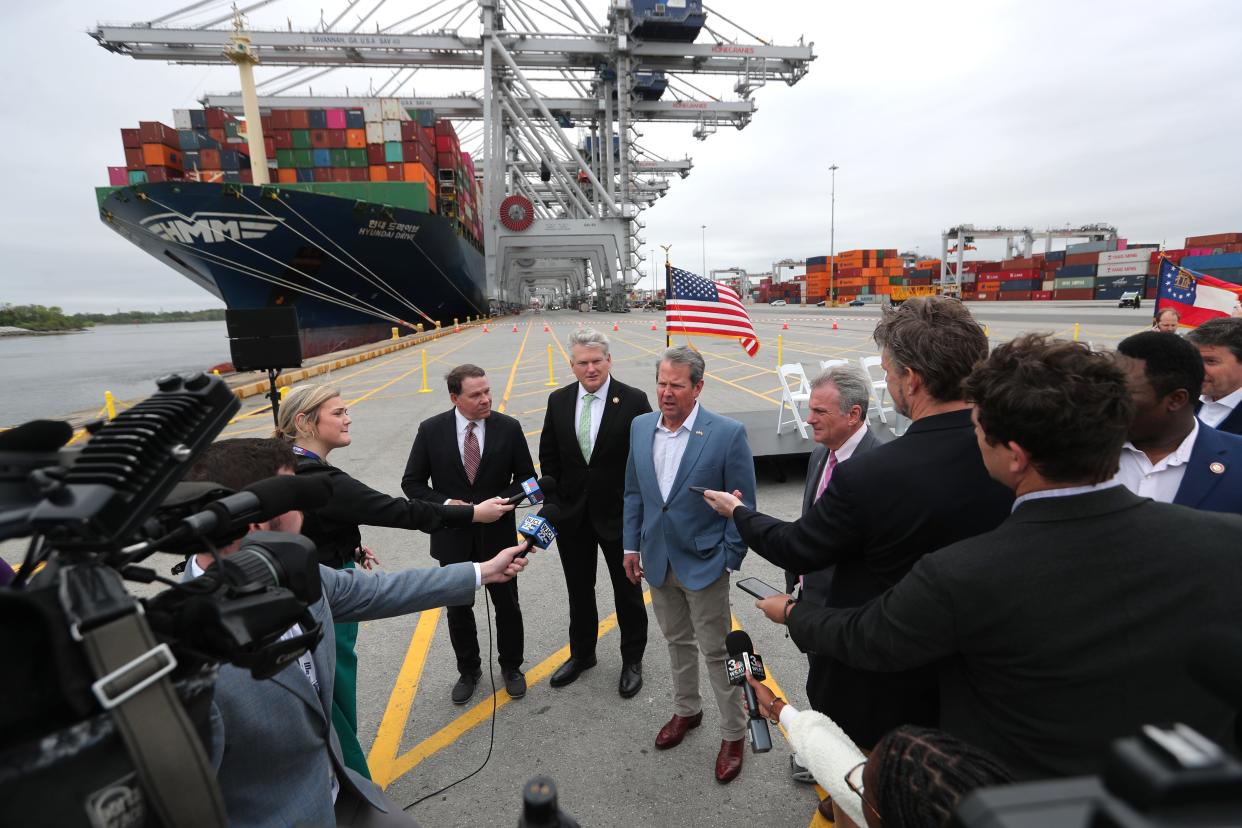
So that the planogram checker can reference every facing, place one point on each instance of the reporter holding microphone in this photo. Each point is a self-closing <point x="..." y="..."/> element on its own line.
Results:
<point x="314" y="421"/>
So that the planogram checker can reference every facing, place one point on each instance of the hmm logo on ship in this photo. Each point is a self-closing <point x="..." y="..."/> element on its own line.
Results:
<point x="210" y="227"/>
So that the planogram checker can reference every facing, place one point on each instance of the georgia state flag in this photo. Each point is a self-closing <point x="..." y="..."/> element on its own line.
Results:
<point x="1197" y="297"/>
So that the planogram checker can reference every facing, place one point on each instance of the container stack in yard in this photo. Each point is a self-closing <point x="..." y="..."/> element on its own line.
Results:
<point x="380" y="152"/>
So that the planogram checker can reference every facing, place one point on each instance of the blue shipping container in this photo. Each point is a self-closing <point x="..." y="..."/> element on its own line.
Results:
<point x="318" y="118"/>
<point x="1092" y="247"/>
<point x="817" y="260"/>
<point x="1114" y="292"/>
<point x="305" y="175"/>
<point x="1055" y="256"/>
<point x="321" y="157"/>
<point x="1073" y="271"/>
<point x="188" y="139"/>
<point x="198" y="119"/>
<point x="1225" y="274"/>
<point x="1218" y="261"/>
<point x="1121" y="282"/>
<point x="354" y="119"/>
<point x="1021" y="284"/>
<point x="230" y="160"/>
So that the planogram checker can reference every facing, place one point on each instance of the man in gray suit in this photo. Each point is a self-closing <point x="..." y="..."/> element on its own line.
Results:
<point x="687" y="551"/>
<point x="837" y="415"/>
<point x="277" y="756"/>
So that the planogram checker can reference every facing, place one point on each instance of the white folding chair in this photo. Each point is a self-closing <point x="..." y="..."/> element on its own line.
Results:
<point x="825" y="364"/>
<point x="879" y="388"/>
<point x="795" y="391"/>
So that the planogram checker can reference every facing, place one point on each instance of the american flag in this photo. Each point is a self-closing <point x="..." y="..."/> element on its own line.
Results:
<point x="699" y="306"/>
<point x="1195" y="296"/>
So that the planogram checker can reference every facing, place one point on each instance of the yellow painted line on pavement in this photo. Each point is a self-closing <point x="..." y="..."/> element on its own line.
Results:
<point x="388" y="736"/>
<point x="716" y="377"/>
<point x="504" y="400"/>
<point x="480" y="713"/>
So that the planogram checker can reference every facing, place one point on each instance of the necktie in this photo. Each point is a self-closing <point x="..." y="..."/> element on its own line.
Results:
<point x="584" y="426"/>
<point x="828" y="467"/>
<point x="470" y="453"/>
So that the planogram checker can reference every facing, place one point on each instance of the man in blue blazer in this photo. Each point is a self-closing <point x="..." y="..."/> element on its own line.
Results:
<point x="1171" y="456"/>
<point x="687" y="550"/>
<point x="277" y="756"/>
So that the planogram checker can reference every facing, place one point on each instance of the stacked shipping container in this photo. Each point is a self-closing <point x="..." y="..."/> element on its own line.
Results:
<point x="381" y="142"/>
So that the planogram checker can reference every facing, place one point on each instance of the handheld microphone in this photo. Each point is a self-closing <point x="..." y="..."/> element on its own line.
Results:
<point x="36" y="436"/>
<point x="228" y="518"/>
<point x="535" y="490"/>
<point x="743" y="660"/>
<point x="538" y="529"/>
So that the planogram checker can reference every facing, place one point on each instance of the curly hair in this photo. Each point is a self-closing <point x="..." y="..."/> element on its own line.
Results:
<point x="1065" y="404"/>
<point x="1170" y="362"/>
<point x="936" y="338"/>
<point x="922" y="773"/>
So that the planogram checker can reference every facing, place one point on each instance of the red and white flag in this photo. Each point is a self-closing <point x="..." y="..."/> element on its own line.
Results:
<point x="699" y="306"/>
<point x="1195" y="296"/>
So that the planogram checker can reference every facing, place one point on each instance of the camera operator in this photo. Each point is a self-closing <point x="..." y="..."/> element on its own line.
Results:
<point x="277" y="756"/>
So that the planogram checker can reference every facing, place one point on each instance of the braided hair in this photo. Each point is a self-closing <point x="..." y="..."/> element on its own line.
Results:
<point x="922" y="773"/>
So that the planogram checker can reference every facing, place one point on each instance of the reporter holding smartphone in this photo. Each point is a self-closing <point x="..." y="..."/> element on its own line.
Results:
<point x="314" y="421"/>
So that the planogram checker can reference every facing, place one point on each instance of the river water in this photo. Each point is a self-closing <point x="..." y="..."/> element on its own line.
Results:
<point x="53" y="376"/>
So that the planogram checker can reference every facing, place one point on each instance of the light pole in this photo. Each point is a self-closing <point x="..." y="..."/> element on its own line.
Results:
<point x="832" y="241"/>
<point x="703" y="272"/>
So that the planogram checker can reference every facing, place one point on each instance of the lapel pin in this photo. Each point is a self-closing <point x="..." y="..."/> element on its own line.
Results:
<point x="1217" y="468"/>
<point x="699" y="433"/>
<point x="616" y="400"/>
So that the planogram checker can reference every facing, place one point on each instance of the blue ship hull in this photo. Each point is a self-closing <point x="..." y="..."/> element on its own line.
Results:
<point x="353" y="269"/>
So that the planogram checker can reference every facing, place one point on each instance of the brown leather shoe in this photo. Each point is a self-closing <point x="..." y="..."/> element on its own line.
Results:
<point x="825" y="808"/>
<point x="729" y="760"/>
<point x="675" y="730"/>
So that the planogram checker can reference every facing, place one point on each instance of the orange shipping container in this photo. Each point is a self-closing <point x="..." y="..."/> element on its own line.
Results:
<point x="417" y="172"/>
<point x="379" y="172"/>
<point x="286" y="175"/>
<point x="158" y="155"/>
<point x="356" y="138"/>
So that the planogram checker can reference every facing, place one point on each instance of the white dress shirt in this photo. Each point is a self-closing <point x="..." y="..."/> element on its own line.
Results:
<point x="1159" y="481"/>
<point x="1068" y="491"/>
<point x="667" y="448"/>
<point x="597" y="409"/>
<point x="1214" y="412"/>
<point x="479" y="427"/>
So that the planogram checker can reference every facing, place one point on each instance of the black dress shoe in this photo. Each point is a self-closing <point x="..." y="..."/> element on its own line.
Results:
<point x="568" y="672"/>
<point x="631" y="679"/>
<point x="464" y="688"/>
<point x="515" y="683"/>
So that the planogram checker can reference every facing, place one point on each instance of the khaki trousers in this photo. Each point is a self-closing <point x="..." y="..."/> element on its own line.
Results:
<point x="694" y="621"/>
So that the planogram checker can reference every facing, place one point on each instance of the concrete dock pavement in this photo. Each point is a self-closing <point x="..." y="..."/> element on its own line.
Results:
<point x="598" y="747"/>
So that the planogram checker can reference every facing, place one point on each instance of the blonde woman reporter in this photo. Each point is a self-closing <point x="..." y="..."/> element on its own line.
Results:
<point x="315" y="421"/>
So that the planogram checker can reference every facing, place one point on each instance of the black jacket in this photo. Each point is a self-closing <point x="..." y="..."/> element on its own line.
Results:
<point x="435" y="473"/>
<point x="334" y="527"/>
<point x="1063" y="629"/>
<point x="590" y="492"/>
<point x="916" y="494"/>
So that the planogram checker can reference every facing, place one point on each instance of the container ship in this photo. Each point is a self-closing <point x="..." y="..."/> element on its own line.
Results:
<point x="371" y="220"/>
<point x="1101" y="270"/>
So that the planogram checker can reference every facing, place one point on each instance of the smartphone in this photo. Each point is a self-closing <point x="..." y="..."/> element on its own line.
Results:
<point x="759" y="589"/>
<point x="698" y="489"/>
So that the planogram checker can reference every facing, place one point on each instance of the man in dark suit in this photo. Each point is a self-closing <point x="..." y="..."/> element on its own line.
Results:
<point x="469" y="454"/>
<point x="275" y="750"/>
<point x="1170" y="456"/>
<point x="1067" y="626"/>
<point x="924" y="490"/>
<point x="1220" y="344"/>
<point x="584" y="446"/>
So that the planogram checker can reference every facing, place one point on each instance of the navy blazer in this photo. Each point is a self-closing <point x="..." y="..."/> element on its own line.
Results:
<point x="1213" y="478"/>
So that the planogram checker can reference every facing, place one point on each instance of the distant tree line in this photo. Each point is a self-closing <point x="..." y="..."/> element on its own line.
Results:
<point x="40" y="318"/>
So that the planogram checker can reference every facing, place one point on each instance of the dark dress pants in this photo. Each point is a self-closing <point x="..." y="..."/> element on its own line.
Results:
<point x="579" y="559"/>
<point x="464" y="634"/>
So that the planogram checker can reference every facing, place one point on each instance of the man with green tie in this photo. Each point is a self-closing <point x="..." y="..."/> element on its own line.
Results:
<point x="584" y="445"/>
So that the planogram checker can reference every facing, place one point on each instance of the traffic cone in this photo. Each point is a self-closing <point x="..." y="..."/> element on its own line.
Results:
<point x="546" y="329"/>
<point x="653" y="327"/>
<point x="515" y="328"/>
<point x="457" y="329"/>
<point x="784" y="325"/>
<point x="834" y="324"/>
<point x="485" y="329"/>
<point x="614" y="326"/>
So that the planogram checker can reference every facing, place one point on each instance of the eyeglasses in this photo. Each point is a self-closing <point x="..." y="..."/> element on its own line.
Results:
<point x="854" y="780"/>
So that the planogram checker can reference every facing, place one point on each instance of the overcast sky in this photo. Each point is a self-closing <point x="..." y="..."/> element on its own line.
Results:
<point x="1014" y="113"/>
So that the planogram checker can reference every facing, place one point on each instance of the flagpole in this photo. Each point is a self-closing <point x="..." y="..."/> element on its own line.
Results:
<point x="668" y="293"/>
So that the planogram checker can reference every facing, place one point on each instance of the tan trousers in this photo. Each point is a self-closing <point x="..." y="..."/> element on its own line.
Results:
<point x="695" y="621"/>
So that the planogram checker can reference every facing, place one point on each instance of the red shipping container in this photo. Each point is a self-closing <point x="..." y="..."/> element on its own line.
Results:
<point x="429" y="136"/>
<point x="218" y="136"/>
<point x="1082" y="259"/>
<point x="1016" y="275"/>
<point x="133" y="158"/>
<point x="1041" y="295"/>
<point x="411" y="131"/>
<point x="265" y="121"/>
<point x="246" y="175"/>
<point x="340" y="174"/>
<point x="396" y="172"/>
<point x="445" y="161"/>
<point x="158" y="174"/>
<point x="269" y="147"/>
<point x="985" y="296"/>
<point x="1149" y="293"/>
<point x="299" y="119"/>
<point x="323" y="174"/>
<point x="118" y="176"/>
<point x="375" y="154"/>
<point x="154" y="132"/>
<point x="1018" y="264"/>
<point x="336" y="137"/>
<point x="1075" y="293"/>
<point x="216" y="118"/>
<point x="359" y="174"/>
<point x="444" y="127"/>
<point x="1014" y="295"/>
<point x="447" y="143"/>
<point x="280" y="119"/>
<point x="1213" y="239"/>
<point x="319" y="138"/>
<point x="209" y="159"/>
<point x="131" y="138"/>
